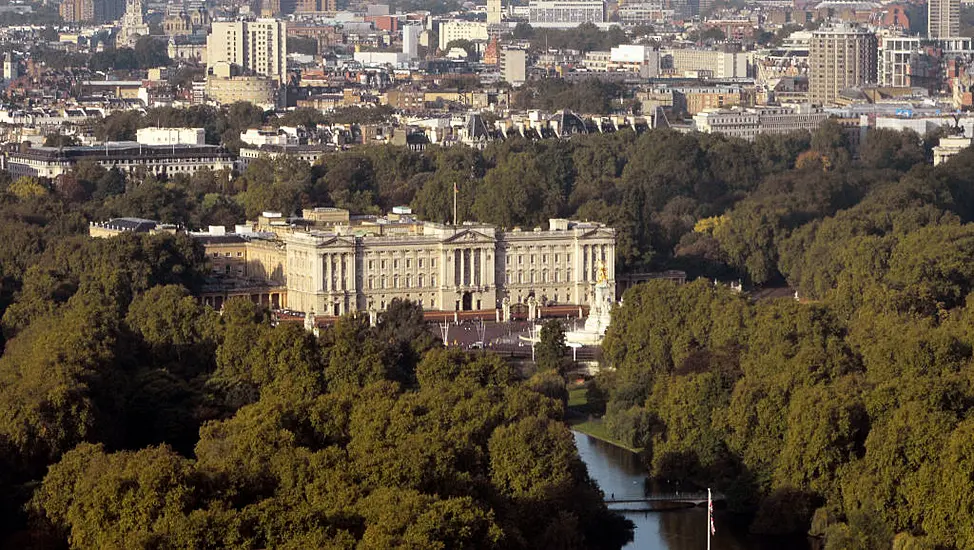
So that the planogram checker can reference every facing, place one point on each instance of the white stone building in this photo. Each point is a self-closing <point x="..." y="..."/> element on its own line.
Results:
<point x="127" y="156"/>
<point x="748" y="123"/>
<point x="470" y="267"/>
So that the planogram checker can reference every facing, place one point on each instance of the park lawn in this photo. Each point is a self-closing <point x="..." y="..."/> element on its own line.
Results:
<point x="581" y="419"/>
<point x="577" y="397"/>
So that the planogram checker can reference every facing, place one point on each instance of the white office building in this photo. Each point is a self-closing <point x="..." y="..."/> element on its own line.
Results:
<point x="566" y="12"/>
<point x="636" y="58"/>
<point x="748" y="123"/>
<point x="170" y="136"/>
<point x="462" y="30"/>
<point x="714" y="63"/>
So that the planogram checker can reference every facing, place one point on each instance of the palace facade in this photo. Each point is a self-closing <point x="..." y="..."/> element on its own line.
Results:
<point x="329" y="263"/>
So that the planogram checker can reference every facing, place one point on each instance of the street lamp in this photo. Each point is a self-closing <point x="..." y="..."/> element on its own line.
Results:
<point x="574" y="346"/>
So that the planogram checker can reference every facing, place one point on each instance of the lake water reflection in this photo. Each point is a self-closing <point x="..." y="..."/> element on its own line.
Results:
<point x="619" y="474"/>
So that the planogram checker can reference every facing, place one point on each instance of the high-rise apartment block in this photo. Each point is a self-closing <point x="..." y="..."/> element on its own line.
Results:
<point x="255" y="47"/>
<point x="91" y="11"/>
<point x="277" y="8"/>
<point x="898" y="60"/>
<point x="840" y="57"/>
<point x="943" y="19"/>
<point x="314" y="6"/>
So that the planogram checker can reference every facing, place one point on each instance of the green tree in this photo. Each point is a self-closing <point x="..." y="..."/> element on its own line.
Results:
<point x="550" y="350"/>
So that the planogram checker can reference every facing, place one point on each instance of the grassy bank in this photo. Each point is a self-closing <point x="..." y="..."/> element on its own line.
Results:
<point x="583" y="417"/>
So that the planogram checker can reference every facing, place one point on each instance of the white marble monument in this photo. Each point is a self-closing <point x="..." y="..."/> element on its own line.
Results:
<point x="599" y="314"/>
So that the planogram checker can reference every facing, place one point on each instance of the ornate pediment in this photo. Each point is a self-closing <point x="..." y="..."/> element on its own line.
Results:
<point x="598" y="233"/>
<point x="469" y="236"/>
<point x="337" y="242"/>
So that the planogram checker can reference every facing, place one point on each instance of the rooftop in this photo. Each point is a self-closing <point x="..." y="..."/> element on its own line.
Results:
<point x="121" y="149"/>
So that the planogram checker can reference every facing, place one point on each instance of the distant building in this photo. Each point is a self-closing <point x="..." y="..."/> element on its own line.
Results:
<point x="494" y="12"/>
<point x="513" y="65"/>
<point x="641" y="13"/>
<point x="127" y="156"/>
<point x="950" y="147"/>
<point x="11" y="71"/>
<point x="117" y="226"/>
<point x="187" y="48"/>
<point x="748" y="123"/>
<point x="373" y="59"/>
<point x="307" y="153"/>
<point x="256" y="47"/>
<point x="277" y="8"/>
<point x="315" y="6"/>
<point x="91" y="11"/>
<point x="179" y="22"/>
<point x="637" y="58"/>
<point x="462" y="30"/>
<point x="702" y="98"/>
<point x="410" y="40"/>
<point x="943" y="19"/>
<point x="170" y="136"/>
<point x="133" y="24"/>
<point x="712" y="63"/>
<point x="840" y="57"/>
<point x="566" y="12"/>
<point x="898" y="59"/>
<point x="259" y="90"/>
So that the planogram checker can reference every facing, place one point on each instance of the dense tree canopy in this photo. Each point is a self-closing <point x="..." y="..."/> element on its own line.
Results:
<point x="130" y="415"/>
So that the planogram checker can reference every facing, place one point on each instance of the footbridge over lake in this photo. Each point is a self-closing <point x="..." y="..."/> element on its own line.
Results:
<point x="660" y="501"/>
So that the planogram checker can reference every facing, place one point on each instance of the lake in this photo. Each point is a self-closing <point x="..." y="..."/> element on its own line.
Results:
<point x="619" y="472"/>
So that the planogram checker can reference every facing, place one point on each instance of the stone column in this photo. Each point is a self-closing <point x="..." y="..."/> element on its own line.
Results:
<point x="480" y="271"/>
<point x="444" y="267"/>
<point x="353" y="279"/>
<point x="490" y="267"/>
<point x="327" y="273"/>
<point x="463" y="267"/>
<point x="586" y="258"/>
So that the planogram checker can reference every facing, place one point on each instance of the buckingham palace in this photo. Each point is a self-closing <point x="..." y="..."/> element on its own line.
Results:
<point x="327" y="262"/>
<point x="444" y="267"/>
